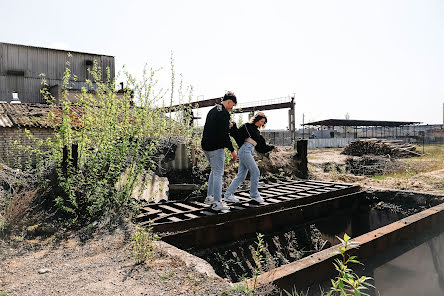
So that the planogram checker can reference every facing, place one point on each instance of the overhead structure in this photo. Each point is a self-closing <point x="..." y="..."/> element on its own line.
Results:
<point x="248" y="107"/>
<point x="368" y="124"/>
<point x="350" y="122"/>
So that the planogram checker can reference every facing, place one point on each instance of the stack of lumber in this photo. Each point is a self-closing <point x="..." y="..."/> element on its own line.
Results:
<point x="393" y="148"/>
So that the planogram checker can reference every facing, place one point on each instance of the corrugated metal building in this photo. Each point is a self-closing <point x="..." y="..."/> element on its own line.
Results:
<point x="21" y="66"/>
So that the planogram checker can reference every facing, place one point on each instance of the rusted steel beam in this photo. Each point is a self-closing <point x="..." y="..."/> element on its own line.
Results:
<point x="318" y="267"/>
<point x="212" y="102"/>
<point x="194" y="105"/>
<point x="263" y="107"/>
<point x="234" y="229"/>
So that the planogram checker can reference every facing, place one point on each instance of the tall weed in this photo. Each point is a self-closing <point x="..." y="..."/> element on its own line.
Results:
<point x="113" y="133"/>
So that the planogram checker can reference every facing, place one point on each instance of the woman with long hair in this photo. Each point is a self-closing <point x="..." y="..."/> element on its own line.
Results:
<point x="249" y="139"/>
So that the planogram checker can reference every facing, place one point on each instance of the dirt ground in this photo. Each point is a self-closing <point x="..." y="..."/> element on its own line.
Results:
<point x="98" y="266"/>
<point x="69" y="264"/>
<point x="418" y="174"/>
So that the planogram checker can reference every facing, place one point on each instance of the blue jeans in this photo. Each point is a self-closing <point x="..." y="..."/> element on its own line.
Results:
<point x="216" y="158"/>
<point x="246" y="164"/>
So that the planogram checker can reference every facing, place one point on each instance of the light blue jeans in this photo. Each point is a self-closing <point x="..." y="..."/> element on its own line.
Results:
<point x="246" y="164"/>
<point x="216" y="158"/>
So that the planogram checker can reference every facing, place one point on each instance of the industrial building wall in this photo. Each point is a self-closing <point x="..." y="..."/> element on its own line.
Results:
<point x="12" y="143"/>
<point x="21" y="66"/>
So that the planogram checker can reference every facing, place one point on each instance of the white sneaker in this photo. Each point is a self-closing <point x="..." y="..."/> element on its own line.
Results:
<point x="258" y="199"/>
<point x="219" y="206"/>
<point x="231" y="199"/>
<point x="209" y="200"/>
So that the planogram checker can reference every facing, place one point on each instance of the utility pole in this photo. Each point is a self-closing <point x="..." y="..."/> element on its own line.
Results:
<point x="292" y="122"/>
<point x="303" y="126"/>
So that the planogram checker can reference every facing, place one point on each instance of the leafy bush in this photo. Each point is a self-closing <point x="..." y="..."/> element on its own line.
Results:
<point x="142" y="244"/>
<point x="105" y="134"/>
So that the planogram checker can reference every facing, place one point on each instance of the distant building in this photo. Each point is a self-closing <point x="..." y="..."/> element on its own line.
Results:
<point x="14" y="119"/>
<point x="21" y="66"/>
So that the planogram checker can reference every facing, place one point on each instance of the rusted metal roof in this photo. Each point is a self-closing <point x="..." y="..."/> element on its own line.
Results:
<point x="33" y="115"/>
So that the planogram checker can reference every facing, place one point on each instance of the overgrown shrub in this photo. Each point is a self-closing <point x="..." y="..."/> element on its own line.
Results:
<point x="105" y="134"/>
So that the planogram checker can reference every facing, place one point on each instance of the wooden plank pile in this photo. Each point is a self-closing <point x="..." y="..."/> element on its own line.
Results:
<point x="392" y="148"/>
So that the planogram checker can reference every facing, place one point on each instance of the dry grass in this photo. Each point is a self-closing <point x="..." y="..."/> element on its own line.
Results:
<point x="425" y="173"/>
<point x="19" y="207"/>
<point x="433" y="160"/>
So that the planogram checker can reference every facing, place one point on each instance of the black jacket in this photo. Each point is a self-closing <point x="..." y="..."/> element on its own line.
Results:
<point x="216" y="133"/>
<point x="249" y="130"/>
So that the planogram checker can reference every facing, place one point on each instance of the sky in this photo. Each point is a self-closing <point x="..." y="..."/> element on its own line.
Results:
<point x="375" y="60"/>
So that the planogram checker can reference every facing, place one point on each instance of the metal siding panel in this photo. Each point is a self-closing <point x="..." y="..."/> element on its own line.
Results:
<point x="2" y="59"/>
<point x="28" y="62"/>
<point x="22" y="58"/>
<point x="94" y="59"/>
<point x="100" y="66"/>
<point x="32" y="93"/>
<point x="10" y="84"/>
<point x="12" y="57"/>
<point x="112" y="67"/>
<point x="25" y="97"/>
<point x="32" y="62"/>
<point x="42" y="63"/>
<point x="15" y="83"/>
<point x="3" y="94"/>
<point x="53" y="82"/>
<point x="20" y="85"/>
<point x="52" y="63"/>
<point x="62" y="58"/>
<point x="105" y="65"/>
<point x="77" y="66"/>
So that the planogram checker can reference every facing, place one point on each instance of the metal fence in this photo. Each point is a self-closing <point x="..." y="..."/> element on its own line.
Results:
<point x="283" y="138"/>
<point x="279" y="138"/>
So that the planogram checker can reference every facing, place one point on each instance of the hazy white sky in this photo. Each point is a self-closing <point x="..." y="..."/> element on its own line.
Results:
<point x="376" y="60"/>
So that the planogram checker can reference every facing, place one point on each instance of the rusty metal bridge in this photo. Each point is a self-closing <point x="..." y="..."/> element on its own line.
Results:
<point x="177" y="216"/>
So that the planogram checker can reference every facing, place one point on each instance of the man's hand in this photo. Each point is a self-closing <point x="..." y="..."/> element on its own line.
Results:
<point x="275" y="149"/>
<point x="234" y="155"/>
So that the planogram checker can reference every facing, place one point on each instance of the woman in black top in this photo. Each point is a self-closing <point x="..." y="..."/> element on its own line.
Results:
<point x="249" y="139"/>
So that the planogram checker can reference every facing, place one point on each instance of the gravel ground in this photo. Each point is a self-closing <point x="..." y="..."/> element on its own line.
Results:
<point x="99" y="266"/>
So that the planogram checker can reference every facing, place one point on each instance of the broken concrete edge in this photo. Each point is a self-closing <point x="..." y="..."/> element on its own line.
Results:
<point x="319" y="266"/>
<point x="190" y="260"/>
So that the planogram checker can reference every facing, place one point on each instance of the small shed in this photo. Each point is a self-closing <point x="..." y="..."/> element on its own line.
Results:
<point x="14" y="120"/>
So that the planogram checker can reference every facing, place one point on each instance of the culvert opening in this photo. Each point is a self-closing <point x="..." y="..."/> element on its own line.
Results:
<point x="234" y="260"/>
